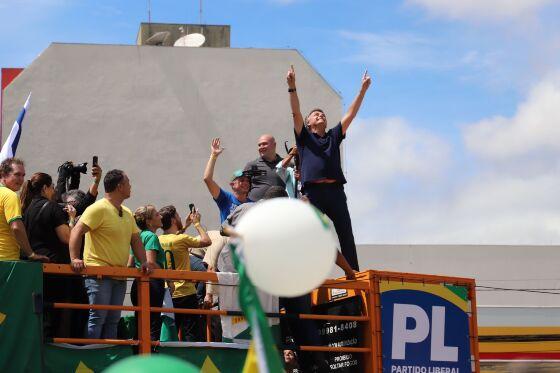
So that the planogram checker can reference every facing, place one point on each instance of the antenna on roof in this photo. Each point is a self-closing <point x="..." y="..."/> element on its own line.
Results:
<point x="149" y="11"/>
<point x="200" y="12"/>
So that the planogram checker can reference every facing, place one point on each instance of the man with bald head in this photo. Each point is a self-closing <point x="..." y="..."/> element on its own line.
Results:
<point x="266" y="163"/>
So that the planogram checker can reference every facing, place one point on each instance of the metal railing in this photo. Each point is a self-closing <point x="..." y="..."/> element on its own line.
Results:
<point x="364" y="286"/>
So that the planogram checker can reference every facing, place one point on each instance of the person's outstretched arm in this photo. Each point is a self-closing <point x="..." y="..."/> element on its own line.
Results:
<point x="96" y="172"/>
<point x="203" y="237"/>
<point x="294" y="100"/>
<point x="286" y="161"/>
<point x="212" y="186"/>
<point x="355" y="106"/>
<point x="92" y="192"/>
<point x="61" y="182"/>
<point x="343" y="264"/>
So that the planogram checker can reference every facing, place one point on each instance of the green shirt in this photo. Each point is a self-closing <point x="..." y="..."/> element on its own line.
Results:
<point x="151" y="242"/>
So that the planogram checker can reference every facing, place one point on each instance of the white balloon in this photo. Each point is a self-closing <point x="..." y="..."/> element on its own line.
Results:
<point x="289" y="249"/>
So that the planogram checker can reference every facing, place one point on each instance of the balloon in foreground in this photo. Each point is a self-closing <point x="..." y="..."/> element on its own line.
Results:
<point x="289" y="249"/>
<point x="152" y="363"/>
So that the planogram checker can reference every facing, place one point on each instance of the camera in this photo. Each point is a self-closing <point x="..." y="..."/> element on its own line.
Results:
<point x="70" y="168"/>
<point x="254" y="171"/>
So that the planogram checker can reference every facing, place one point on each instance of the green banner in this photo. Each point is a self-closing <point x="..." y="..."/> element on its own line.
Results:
<point x="210" y="360"/>
<point x="96" y="358"/>
<point x="87" y="359"/>
<point x="20" y="327"/>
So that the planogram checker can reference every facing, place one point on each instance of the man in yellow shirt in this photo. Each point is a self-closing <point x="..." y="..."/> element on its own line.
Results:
<point x="13" y="236"/>
<point x="110" y="231"/>
<point x="178" y="244"/>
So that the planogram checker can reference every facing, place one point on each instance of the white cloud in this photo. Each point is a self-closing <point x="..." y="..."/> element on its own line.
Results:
<point x="533" y="131"/>
<point x="392" y="148"/>
<point x="396" y="50"/>
<point x="382" y="153"/>
<point x="409" y="51"/>
<point x="407" y="186"/>
<point x="477" y="10"/>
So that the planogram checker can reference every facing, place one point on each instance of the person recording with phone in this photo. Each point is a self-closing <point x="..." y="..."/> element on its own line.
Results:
<point x="177" y="246"/>
<point x="68" y="183"/>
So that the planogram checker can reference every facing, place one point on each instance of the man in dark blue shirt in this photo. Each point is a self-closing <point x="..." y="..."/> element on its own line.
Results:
<point x="321" y="173"/>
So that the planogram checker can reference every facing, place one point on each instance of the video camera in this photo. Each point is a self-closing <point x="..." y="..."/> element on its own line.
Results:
<point x="254" y="171"/>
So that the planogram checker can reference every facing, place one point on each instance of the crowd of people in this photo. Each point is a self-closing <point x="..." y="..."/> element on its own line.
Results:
<point x="62" y="224"/>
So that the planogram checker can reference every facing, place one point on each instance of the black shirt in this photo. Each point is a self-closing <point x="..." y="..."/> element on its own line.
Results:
<point x="320" y="156"/>
<point x="260" y="184"/>
<point x="41" y="229"/>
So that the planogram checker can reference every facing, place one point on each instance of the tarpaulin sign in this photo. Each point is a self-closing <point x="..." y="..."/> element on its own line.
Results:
<point x="425" y="328"/>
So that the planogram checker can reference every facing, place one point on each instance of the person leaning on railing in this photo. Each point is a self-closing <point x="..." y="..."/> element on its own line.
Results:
<point x="148" y="220"/>
<point x="110" y="231"/>
<point x="178" y="244"/>
<point x="13" y="236"/>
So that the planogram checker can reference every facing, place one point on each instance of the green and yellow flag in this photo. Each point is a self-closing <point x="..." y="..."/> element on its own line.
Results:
<point x="263" y="356"/>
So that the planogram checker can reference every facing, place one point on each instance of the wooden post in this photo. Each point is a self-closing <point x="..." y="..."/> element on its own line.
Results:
<point x="374" y="323"/>
<point x="144" y="315"/>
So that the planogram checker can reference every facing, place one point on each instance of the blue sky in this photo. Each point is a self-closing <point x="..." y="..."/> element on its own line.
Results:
<point x="455" y="142"/>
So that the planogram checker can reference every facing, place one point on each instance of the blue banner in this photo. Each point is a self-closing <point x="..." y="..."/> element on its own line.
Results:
<point x="425" y="329"/>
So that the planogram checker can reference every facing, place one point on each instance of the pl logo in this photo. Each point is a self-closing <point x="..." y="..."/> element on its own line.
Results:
<point x="403" y="335"/>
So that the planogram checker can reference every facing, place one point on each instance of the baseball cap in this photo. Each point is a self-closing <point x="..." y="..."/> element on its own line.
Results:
<point x="237" y="174"/>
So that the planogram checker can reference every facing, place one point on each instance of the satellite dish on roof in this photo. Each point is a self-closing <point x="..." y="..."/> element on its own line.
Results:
<point x="190" y="40"/>
<point x="160" y="38"/>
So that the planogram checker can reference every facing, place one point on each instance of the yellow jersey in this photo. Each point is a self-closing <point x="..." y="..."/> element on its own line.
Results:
<point x="108" y="239"/>
<point x="178" y="246"/>
<point x="10" y="210"/>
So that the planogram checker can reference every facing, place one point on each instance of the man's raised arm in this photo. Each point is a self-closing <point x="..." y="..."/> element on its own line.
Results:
<point x="215" y="151"/>
<point x="355" y="106"/>
<point x="294" y="100"/>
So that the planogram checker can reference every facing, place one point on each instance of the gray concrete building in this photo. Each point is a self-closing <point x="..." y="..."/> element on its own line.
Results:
<point x="152" y="111"/>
